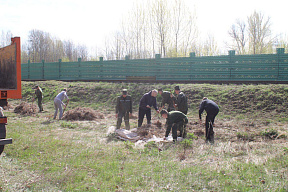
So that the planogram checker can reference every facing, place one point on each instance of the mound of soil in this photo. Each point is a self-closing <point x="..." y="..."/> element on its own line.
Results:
<point x="158" y="124"/>
<point x="26" y="109"/>
<point x="147" y="131"/>
<point x="82" y="114"/>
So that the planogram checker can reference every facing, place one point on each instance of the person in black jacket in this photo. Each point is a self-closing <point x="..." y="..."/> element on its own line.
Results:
<point x="166" y="99"/>
<point x="212" y="110"/>
<point x="180" y="100"/>
<point x="147" y="101"/>
<point x="123" y="108"/>
<point x="177" y="121"/>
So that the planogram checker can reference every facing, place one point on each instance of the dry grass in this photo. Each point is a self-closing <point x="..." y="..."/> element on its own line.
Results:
<point x="82" y="114"/>
<point x="86" y="160"/>
<point x="26" y="109"/>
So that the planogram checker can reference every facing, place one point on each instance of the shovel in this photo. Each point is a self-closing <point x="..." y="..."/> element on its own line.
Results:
<point x="65" y="108"/>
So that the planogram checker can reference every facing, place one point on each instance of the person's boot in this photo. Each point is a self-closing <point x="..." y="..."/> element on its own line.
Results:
<point x="127" y="126"/>
<point x="149" y="123"/>
<point x="212" y="139"/>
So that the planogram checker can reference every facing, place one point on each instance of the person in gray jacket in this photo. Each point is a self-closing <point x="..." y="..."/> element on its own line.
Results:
<point x="58" y="102"/>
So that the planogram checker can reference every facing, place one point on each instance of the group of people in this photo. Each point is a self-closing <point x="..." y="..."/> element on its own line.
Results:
<point x="175" y="114"/>
<point x="58" y="101"/>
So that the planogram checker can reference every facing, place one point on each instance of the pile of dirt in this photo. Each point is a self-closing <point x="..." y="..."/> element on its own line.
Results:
<point x="26" y="109"/>
<point x="82" y="114"/>
<point x="158" y="124"/>
<point x="147" y="131"/>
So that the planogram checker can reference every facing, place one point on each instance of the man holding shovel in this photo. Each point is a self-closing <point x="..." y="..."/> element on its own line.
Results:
<point x="58" y="102"/>
<point x="212" y="110"/>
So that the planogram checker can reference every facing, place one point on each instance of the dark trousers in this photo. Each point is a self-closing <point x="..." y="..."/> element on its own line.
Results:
<point x="209" y="133"/>
<point x="181" y="127"/>
<point x="170" y="106"/>
<point x="142" y="113"/>
<point x="185" y="112"/>
<point x="126" y="120"/>
<point x="40" y="104"/>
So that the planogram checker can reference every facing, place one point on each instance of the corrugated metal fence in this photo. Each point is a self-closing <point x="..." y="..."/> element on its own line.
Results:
<point x="231" y="67"/>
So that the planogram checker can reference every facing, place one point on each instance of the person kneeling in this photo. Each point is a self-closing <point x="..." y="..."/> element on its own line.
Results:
<point x="177" y="121"/>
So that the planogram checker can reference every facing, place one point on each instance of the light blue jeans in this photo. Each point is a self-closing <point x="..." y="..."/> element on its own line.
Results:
<point x="58" y="105"/>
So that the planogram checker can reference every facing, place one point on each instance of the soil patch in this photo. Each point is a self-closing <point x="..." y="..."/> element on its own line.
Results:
<point x="147" y="131"/>
<point x="26" y="109"/>
<point x="82" y="114"/>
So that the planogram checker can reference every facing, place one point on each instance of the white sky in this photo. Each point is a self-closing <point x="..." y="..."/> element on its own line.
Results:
<point x="89" y="22"/>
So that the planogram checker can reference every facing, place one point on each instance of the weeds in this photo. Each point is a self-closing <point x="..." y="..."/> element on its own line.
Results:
<point x="245" y="136"/>
<point x="272" y="133"/>
<point x="69" y="125"/>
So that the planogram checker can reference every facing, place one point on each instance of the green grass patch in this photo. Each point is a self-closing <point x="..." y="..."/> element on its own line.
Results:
<point x="52" y="155"/>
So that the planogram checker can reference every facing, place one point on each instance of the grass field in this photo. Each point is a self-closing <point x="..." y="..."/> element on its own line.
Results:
<point x="250" y="151"/>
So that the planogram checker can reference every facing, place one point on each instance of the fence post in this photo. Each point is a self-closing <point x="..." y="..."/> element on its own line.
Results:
<point x="101" y="67"/>
<point x="127" y="68"/>
<point x="231" y="61"/>
<point x="60" y="61"/>
<point x="79" y="68"/>
<point x="157" y="56"/>
<point x="29" y="69"/>
<point x="192" y="56"/>
<point x="43" y="62"/>
<point x="280" y="52"/>
<point x="157" y="64"/>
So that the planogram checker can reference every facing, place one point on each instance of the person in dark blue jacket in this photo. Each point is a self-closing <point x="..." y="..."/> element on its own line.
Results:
<point x="212" y="110"/>
<point x="147" y="101"/>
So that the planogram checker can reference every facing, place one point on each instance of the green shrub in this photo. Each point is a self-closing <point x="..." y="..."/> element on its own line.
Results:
<point x="191" y="136"/>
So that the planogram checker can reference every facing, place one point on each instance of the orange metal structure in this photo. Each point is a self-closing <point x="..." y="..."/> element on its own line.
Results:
<point x="10" y="57"/>
<point x="10" y="82"/>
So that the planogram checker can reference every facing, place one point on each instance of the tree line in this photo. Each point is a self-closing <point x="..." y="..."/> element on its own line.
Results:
<point x="155" y="27"/>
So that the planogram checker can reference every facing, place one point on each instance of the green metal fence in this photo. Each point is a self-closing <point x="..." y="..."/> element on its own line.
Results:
<point x="231" y="67"/>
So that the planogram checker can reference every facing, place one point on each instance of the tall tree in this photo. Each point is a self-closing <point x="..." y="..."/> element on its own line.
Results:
<point x="5" y="38"/>
<point x="161" y="14"/>
<point x="183" y="28"/>
<point x="260" y="39"/>
<point x="210" y="47"/>
<point x="238" y="34"/>
<point x="39" y="45"/>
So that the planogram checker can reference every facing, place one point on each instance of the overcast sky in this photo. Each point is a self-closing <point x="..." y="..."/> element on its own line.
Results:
<point x="89" y="22"/>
